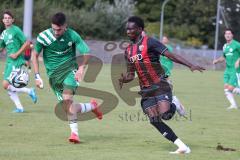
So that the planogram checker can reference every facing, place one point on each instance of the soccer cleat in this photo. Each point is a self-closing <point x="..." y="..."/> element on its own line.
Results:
<point x="33" y="95"/>
<point x="181" y="151"/>
<point x="74" y="138"/>
<point x="18" y="110"/>
<point x="179" y="107"/>
<point x="96" y="109"/>
<point x="233" y="107"/>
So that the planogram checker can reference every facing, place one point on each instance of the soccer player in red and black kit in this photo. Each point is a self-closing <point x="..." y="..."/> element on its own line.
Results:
<point x="142" y="56"/>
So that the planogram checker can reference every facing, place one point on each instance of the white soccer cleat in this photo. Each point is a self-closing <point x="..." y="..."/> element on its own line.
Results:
<point x="232" y="107"/>
<point x="179" y="107"/>
<point x="186" y="150"/>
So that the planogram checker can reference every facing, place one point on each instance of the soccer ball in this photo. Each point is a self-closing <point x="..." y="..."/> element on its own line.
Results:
<point x="19" y="78"/>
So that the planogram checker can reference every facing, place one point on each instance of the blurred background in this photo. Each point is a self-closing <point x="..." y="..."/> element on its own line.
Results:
<point x="193" y="26"/>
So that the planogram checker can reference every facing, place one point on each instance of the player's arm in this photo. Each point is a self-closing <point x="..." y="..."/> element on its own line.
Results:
<point x="25" y="46"/>
<point x="2" y="44"/>
<point x="129" y="75"/>
<point x="26" y="43"/>
<point x="179" y="59"/>
<point x="219" y="60"/>
<point x="160" y="49"/>
<point x="237" y="63"/>
<point x="35" y="54"/>
<point x="84" y="50"/>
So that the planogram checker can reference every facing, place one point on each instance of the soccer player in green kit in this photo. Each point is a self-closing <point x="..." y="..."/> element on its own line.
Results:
<point x="59" y="44"/>
<point x="15" y="43"/>
<point x="231" y="53"/>
<point x="167" y="65"/>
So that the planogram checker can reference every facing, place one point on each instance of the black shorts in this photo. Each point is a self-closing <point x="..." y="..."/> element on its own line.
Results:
<point x="27" y="57"/>
<point x="148" y="102"/>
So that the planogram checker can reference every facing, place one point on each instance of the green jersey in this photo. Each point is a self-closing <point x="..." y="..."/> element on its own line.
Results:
<point x="59" y="54"/>
<point x="231" y="53"/>
<point x="166" y="63"/>
<point x="12" y="40"/>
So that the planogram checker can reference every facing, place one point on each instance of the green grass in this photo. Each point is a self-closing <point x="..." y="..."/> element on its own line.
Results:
<point x="38" y="134"/>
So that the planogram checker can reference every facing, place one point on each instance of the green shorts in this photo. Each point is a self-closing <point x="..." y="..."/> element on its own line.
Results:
<point x="68" y="82"/>
<point x="230" y="78"/>
<point x="9" y="67"/>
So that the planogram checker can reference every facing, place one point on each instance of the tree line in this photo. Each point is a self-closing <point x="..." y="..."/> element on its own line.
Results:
<point x="190" y="21"/>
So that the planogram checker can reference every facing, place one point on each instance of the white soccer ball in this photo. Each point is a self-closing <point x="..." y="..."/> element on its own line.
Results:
<point x="20" y="78"/>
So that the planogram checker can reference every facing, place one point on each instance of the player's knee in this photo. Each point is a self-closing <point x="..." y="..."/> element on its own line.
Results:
<point x="167" y="115"/>
<point x="170" y="113"/>
<point x="229" y="88"/>
<point x="66" y="104"/>
<point x="5" y="84"/>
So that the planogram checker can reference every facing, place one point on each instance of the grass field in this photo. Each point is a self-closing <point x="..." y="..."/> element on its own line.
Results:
<point x="38" y="134"/>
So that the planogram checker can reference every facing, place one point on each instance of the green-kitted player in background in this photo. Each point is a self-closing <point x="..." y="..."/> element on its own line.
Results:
<point x="231" y="53"/>
<point x="15" y="43"/>
<point x="59" y="44"/>
<point x="167" y="65"/>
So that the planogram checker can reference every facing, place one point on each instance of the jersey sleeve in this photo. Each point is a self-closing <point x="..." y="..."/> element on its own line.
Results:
<point x="2" y="44"/>
<point x="238" y="48"/>
<point x="20" y="35"/>
<point x="156" y="47"/>
<point x="38" y="45"/>
<point x="81" y="46"/>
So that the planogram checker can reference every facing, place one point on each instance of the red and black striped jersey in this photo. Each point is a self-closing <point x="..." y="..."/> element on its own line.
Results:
<point x="143" y="57"/>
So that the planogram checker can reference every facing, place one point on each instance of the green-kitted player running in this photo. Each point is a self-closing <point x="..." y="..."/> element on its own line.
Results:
<point x="231" y="53"/>
<point x="15" y="43"/>
<point x="59" y="44"/>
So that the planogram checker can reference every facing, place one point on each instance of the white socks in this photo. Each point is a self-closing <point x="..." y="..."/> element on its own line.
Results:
<point x="14" y="97"/>
<point x="19" y="90"/>
<point x="236" y="91"/>
<point x="74" y="127"/>
<point x="79" y="107"/>
<point x="86" y="107"/>
<point x="230" y="97"/>
<point x="180" y="144"/>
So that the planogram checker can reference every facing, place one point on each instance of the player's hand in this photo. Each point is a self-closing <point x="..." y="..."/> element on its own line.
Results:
<point x="120" y="81"/>
<point x="215" y="61"/>
<point x="79" y="74"/>
<point x="198" y="68"/>
<point x="13" y="56"/>
<point x="38" y="81"/>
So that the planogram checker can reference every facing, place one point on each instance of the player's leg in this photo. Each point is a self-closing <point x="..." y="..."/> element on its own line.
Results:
<point x="229" y="91"/>
<point x="7" y="77"/>
<point x="156" y="111"/>
<point x="14" y="97"/>
<point x="166" y="110"/>
<point x="71" y="114"/>
<point x="73" y="108"/>
<point x="236" y="89"/>
<point x="228" y="88"/>
<point x="230" y="82"/>
<point x="71" y="83"/>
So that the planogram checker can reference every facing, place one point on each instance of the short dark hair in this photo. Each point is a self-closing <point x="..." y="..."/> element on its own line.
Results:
<point x="8" y="13"/>
<point x="59" y="19"/>
<point x="228" y="29"/>
<point x="137" y="20"/>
